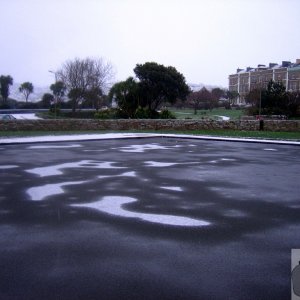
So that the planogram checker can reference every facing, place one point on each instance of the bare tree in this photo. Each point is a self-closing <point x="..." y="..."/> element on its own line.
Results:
<point x="200" y="99"/>
<point x="81" y="76"/>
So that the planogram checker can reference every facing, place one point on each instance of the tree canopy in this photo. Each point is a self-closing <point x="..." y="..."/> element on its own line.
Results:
<point x="26" y="88"/>
<point x="159" y="84"/>
<point x="5" y="82"/>
<point x="58" y="89"/>
<point x="126" y="94"/>
<point x="274" y="100"/>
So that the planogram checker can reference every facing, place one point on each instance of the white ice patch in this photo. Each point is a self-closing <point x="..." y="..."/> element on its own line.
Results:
<point x="126" y="174"/>
<point x="27" y="116"/>
<point x="158" y="164"/>
<point x="143" y="148"/>
<point x="222" y="159"/>
<point x="172" y="188"/>
<point x="56" y="169"/>
<point x="6" y="167"/>
<point x="39" y="193"/>
<point x="113" y="206"/>
<point x="54" y="146"/>
<point x="228" y="159"/>
<point x="93" y="150"/>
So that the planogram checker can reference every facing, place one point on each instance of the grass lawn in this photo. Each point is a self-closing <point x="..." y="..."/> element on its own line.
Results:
<point x="233" y="114"/>
<point x="295" y="136"/>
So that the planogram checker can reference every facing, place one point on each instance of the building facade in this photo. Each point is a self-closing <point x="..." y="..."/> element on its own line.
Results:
<point x="246" y="80"/>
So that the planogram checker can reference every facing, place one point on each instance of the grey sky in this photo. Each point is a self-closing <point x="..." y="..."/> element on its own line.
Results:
<point x="206" y="40"/>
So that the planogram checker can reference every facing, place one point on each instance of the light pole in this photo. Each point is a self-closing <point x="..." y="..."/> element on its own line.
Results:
<point x="55" y="99"/>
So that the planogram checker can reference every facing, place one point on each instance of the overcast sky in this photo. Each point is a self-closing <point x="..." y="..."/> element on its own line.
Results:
<point x="205" y="40"/>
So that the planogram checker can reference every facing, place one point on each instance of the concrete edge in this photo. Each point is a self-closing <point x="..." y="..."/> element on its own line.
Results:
<point x="104" y="136"/>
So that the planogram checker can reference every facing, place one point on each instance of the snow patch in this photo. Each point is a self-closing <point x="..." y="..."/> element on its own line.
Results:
<point x="158" y="164"/>
<point x="142" y="148"/>
<point x="113" y="206"/>
<point x="39" y="193"/>
<point x="28" y="116"/>
<point x="54" y="146"/>
<point x="6" y="167"/>
<point x="56" y="169"/>
<point x="126" y="174"/>
<point x="172" y="188"/>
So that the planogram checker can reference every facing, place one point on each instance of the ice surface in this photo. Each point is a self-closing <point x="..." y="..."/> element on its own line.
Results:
<point x="107" y="136"/>
<point x="142" y="148"/>
<point x="5" y="167"/>
<point x="228" y="159"/>
<point x="27" y="116"/>
<point x="39" y="193"/>
<point x="126" y="174"/>
<point x="113" y="205"/>
<point x="53" y="146"/>
<point x="172" y="188"/>
<point x="56" y="169"/>
<point x="159" y="164"/>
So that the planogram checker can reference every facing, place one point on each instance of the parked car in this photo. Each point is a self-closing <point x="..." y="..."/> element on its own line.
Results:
<point x="7" y="117"/>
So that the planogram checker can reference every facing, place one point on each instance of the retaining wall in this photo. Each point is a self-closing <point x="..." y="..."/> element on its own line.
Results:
<point x="84" y="124"/>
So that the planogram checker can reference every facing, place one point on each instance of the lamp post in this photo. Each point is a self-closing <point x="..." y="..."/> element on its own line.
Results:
<point x="55" y="99"/>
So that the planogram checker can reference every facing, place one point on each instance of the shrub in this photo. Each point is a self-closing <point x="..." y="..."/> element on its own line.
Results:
<point x="54" y="110"/>
<point x="166" y="114"/>
<point x="145" y="113"/>
<point x="111" y="113"/>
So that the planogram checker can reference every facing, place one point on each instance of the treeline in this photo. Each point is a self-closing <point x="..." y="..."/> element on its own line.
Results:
<point x="274" y="100"/>
<point x="26" y="88"/>
<point x="87" y="83"/>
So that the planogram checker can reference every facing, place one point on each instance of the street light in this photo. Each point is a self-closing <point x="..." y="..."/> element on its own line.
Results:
<point x="55" y="100"/>
<point x="55" y="75"/>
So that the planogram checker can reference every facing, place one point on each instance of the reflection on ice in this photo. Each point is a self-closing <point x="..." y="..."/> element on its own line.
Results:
<point x="126" y="174"/>
<point x="143" y="148"/>
<point x="158" y="164"/>
<point x="6" y="167"/>
<point x="39" y="193"/>
<point x="228" y="159"/>
<point x="222" y="159"/>
<point x="56" y="169"/>
<point x="54" y="146"/>
<point x="172" y="188"/>
<point x="113" y="205"/>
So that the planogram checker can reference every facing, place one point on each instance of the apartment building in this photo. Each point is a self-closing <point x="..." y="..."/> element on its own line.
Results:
<point x="246" y="80"/>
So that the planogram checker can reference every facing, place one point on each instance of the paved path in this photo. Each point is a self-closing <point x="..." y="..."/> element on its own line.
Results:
<point x="155" y="218"/>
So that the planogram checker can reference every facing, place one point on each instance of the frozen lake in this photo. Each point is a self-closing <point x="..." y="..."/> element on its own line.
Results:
<point x="152" y="218"/>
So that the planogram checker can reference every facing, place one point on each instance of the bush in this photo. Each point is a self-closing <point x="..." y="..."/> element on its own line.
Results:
<point x="27" y="105"/>
<point x="166" y="114"/>
<point x="142" y="113"/>
<point x="54" y="110"/>
<point x="145" y="113"/>
<point x="112" y="113"/>
<point x="78" y="114"/>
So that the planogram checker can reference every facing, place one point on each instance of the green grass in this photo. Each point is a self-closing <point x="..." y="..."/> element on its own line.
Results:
<point x="295" y="136"/>
<point x="233" y="114"/>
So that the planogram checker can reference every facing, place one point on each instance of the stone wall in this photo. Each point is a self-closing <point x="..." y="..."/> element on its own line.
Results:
<point x="83" y="124"/>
